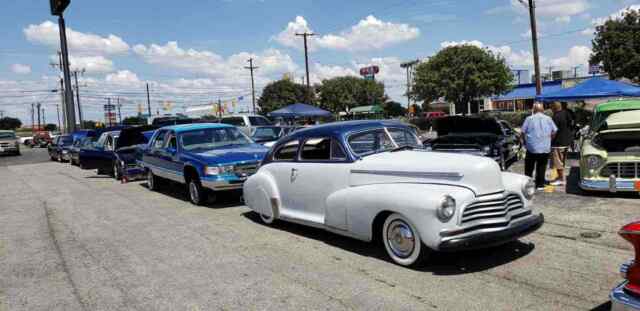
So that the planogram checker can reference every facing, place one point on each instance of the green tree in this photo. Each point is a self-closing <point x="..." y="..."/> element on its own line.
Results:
<point x="134" y="120"/>
<point x="617" y="46"/>
<point x="340" y="93"/>
<point x="280" y="94"/>
<point x="461" y="74"/>
<point x="89" y="124"/>
<point x="51" y="127"/>
<point x="8" y="123"/>
<point x="393" y="109"/>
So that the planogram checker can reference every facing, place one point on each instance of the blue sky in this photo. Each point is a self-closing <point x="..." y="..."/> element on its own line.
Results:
<point x="192" y="52"/>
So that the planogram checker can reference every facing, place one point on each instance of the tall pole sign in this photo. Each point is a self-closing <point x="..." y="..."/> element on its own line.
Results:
<point x="57" y="9"/>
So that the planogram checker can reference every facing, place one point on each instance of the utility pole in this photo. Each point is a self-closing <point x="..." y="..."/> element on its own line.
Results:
<point x="1" y="114"/>
<point x="409" y="66"/>
<point x="253" y="86"/>
<point x="58" y="113"/>
<point x="75" y="74"/>
<point x="70" y="122"/>
<point x="219" y="108"/>
<point x="33" y="122"/>
<point x="64" y="106"/>
<point x="38" y="107"/>
<point x="305" y="35"/>
<point x="148" y="101"/>
<point x="534" y="38"/>
<point x="119" y="114"/>
<point x="44" y="119"/>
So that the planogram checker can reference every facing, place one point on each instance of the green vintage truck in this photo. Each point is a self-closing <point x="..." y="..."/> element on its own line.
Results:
<point x="610" y="154"/>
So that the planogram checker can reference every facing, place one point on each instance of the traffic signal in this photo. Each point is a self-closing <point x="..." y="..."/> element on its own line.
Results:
<point x="58" y="6"/>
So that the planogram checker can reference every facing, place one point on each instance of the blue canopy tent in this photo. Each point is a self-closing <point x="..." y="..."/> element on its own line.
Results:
<point x="591" y="89"/>
<point x="300" y="111"/>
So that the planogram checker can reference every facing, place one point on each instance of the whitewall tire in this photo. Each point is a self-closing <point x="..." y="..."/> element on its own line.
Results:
<point x="402" y="241"/>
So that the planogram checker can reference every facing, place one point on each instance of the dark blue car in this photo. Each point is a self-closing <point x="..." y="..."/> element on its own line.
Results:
<point x="100" y="154"/>
<point x="59" y="148"/>
<point x="206" y="157"/>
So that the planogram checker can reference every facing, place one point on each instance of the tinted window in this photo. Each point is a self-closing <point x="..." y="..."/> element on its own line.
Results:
<point x="102" y="140"/>
<point x="65" y="140"/>
<point x="158" y="143"/>
<point x="259" y="121"/>
<point x="403" y="137"/>
<point x="237" y="121"/>
<point x="212" y="138"/>
<point x="370" y="142"/>
<point x="287" y="152"/>
<point x="317" y="149"/>
<point x="172" y="142"/>
<point x="336" y="151"/>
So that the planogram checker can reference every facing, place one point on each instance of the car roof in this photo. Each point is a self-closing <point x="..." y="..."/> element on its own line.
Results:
<point x="196" y="126"/>
<point x="618" y="105"/>
<point x="338" y="128"/>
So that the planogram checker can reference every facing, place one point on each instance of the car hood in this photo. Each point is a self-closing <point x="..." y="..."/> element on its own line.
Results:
<point x="478" y="174"/>
<point x="12" y="141"/>
<point x="623" y="120"/>
<point x="457" y="124"/>
<point x="251" y="153"/>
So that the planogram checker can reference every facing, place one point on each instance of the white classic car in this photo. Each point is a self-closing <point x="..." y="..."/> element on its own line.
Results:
<point x="371" y="180"/>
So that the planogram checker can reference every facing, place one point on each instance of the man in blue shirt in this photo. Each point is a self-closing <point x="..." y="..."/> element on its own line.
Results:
<point x="537" y="131"/>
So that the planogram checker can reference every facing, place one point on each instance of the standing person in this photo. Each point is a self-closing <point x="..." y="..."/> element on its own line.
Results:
<point x="538" y="130"/>
<point x="561" y="141"/>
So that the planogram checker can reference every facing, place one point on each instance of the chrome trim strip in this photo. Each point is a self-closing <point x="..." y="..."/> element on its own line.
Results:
<point x="429" y="175"/>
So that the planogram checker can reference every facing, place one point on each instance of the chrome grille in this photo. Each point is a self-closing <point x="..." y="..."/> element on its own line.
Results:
<point x="495" y="210"/>
<point x="5" y="144"/>
<point x="621" y="170"/>
<point x="245" y="170"/>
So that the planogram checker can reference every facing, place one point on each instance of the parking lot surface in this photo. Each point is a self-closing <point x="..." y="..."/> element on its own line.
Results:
<point x="71" y="240"/>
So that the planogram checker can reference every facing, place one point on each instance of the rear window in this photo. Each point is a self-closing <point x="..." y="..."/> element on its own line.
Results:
<point x="237" y="121"/>
<point x="287" y="152"/>
<point x="259" y="121"/>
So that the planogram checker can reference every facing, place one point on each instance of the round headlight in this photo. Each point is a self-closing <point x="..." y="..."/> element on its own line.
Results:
<point x="593" y="161"/>
<point x="447" y="208"/>
<point x="529" y="189"/>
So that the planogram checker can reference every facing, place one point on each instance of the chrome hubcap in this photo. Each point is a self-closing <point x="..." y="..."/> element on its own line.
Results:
<point x="400" y="238"/>
<point x="193" y="191"/>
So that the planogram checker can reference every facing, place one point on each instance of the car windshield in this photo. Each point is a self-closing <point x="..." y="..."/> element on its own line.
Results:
<point x="267" y="133"/>
<point x="7" y="135"/>
<point x="381" y="140"/>
<point x="213" y="138"/>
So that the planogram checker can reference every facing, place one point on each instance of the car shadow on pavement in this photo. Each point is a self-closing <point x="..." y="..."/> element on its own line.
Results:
<point x="603" y="307"/>
<point x="439" y="263"/>
<point x="222" y="200"/>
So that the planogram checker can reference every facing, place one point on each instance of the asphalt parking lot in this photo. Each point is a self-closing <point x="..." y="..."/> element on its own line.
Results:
<point x="70" y="240"/>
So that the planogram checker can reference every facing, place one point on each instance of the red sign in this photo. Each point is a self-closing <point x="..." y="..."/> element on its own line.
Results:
<point x="369" y="71"/>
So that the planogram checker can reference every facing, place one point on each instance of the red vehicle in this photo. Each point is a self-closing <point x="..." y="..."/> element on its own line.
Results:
<point x="433" y="114"/>
<point x="41" y="139"/>
<point x="626" y="296"/>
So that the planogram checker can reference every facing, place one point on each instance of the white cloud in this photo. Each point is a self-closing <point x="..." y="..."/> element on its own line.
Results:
<point x="91" y="64"/>
<point x="563" y="19"/>
<point x="577" y="56"/>
<point x="521" y="58"/>
<point x="20" y="69"/>
<point x="555" y="8"/>
<point x="369" y="34"/>
<point x="123" y="77"/>
<point x="230" y="70"/>
<point x="601" y="20"/>
<point x="47" y="34"/>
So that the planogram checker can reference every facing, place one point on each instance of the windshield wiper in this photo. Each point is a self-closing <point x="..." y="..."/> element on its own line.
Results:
<point x="405" y="147"/>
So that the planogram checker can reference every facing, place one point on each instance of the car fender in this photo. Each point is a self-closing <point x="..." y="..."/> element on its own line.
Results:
<point x="417" y="202"/>
<point x="261" y="194"/>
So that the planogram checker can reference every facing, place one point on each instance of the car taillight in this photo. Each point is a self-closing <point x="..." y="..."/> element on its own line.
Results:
<point x="631" y="233"/>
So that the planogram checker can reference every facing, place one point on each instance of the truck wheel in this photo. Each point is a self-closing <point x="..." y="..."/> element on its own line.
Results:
<point x="402" y="241"/>
<point x="197" y="193"/>
<point x="153" y="181"/>
<point x="117" y="173"/>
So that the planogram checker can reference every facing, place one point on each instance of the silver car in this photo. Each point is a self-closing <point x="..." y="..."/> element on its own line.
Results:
<point x="9" y="143"/>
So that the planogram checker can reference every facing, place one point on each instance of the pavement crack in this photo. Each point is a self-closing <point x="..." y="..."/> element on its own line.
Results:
<point x="65" y="266"/>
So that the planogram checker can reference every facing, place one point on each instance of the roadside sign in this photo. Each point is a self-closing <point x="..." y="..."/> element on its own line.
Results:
<point x="369" y="71"/>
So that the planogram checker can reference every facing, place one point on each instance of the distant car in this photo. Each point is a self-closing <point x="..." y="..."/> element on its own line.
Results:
<point x="100" y="154"/>
<point x="59" y="149"/>
<point x="610" y="152"/>
<point x="487" y="137"/>
<point x="41" y="139"/>
<point x="9" y="143"/>
<point x="247" y="123"/>
<point x="167" y="120"/>
<point x="206" y="157"/>
<point x="268" y="135"/>
<point x="128" y="152"/>
<point x="25" y="140"/>
<point x="371" y="180"/>
<point x="78" y="144"/>
<point x="626" y="296"/>
<point x="433" y="114"/>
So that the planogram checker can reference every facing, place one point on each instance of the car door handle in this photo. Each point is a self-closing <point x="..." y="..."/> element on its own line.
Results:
<point x="294" y="174"/>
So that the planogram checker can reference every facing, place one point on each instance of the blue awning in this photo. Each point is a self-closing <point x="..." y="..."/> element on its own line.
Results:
<point x="300" y="111"/>
<point x="592" y="88"/>
<point x="528" y="91"/>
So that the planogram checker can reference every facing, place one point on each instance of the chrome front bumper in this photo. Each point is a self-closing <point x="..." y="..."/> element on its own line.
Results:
<point x="621" y="301"/>
<point x="612" y="185"/>
<point x="223" y="185"/>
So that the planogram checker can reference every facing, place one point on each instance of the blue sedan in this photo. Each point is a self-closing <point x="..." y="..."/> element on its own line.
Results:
<point x="206" y="157"/>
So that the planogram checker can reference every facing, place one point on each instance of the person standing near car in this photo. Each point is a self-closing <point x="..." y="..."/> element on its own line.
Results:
<point x="537" y="131"/>
<point x="561" y="141"/>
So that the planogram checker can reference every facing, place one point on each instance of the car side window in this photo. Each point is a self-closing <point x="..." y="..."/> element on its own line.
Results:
<point x="172" y="142"/>
<point x="158" y="143"/>
<point x="109" y="144"/>
<point x="316" y="149"/>
<point x="287" y="152"/>
<point x="337" y="153"/>
<point x="237" y="121"/>
<point x="101" y="140"/>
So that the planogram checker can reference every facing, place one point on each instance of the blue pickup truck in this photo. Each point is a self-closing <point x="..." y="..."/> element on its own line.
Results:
<point x="206" y="157"/>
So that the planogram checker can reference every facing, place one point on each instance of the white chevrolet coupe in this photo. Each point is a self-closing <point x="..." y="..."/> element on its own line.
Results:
<point x="372" y="180"/>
